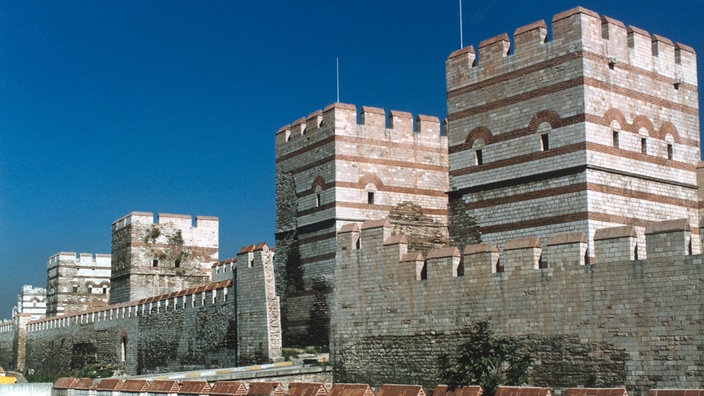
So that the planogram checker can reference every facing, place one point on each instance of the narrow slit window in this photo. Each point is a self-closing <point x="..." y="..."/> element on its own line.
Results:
<point x="643" y="146"/>
<point x="155" y="263"/>
<point x="370" y="197"/>
<point x="545" y="142"/>
<point x="669" y="151"/>
<point x="480" y="159"/>
<point x="616" y="139"/>
<point x="317" y="200"/>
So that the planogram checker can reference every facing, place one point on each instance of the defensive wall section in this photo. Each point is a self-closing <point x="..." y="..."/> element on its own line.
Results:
<point x="332" y="168"/>
<point x="595" y="127"/>
<point x="220" y="324"/>
<point x="149" y="257"/>
<point x="77" y="282"/>
<point x="616" y="322"/>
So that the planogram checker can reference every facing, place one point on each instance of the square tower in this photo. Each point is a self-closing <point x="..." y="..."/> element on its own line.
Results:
<point x="331" y="170"/>
<point x="153" y="258"/>
<point x="595" y="128"/>
<point x="77" y="282"/>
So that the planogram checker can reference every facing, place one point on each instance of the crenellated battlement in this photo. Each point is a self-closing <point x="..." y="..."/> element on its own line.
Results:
<point x="178" y="220"/>
<point x="342" y="119"/>
<point x="189" y="298"/>
<point x="578" y="32"/>
<point x="670" y="239"/>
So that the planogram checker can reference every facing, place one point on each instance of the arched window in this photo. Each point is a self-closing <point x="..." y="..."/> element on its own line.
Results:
<point x="478" y="149"/>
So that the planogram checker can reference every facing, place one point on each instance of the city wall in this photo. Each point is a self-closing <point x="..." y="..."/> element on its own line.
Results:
<point x="208" y="326"/>
<point x="618" y="321"/>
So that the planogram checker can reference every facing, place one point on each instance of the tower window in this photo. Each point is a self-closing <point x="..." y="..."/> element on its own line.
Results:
<point x="75" y="289"/>
<point x="177" y="263"/>
<point x="669" y="151"/>
<point x="155" y="263"/>
<point x="370" y="197"/>
<point x="480" y="159"/>
<point x="616" y="139"/>
<point x="643" y="146"/>
<point x="545" y="142"/>
<point x="317" y="200"/>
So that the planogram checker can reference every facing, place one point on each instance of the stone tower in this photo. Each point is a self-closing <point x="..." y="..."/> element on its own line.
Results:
<point x="152" y="258"/>
<point x="77" y="282"/>
<point x="597" y="127"/>
<point x="331" y="170"/>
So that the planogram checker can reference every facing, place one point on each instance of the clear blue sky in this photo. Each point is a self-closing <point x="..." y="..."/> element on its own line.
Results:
<point x="109" y="107"/>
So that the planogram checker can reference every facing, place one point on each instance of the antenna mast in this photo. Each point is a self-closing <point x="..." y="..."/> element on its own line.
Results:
<point x="337" y="68"/>
<point x="461" y="41"/>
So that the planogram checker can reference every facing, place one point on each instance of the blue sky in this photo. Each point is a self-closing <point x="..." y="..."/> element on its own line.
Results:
<point x="109" y="107"/>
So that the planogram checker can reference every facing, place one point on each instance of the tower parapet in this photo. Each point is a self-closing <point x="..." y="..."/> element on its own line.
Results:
<point x="337" y="165"/>
<point x="76" y="282"/>
<point x="156" y="257"/>
<point x="544" y="134"/>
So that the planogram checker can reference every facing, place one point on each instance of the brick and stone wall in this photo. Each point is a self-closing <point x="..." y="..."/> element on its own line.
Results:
<point x="597" y="127"/>
<point x="151" y="258"/>
<point x="77" y="282"/>
<point x="620" y="321"/>
<point x="231" y="322"/>
<point x="333" y="169"/>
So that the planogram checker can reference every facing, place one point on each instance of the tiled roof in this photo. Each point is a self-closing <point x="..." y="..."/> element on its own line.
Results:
<point x="307" y="389"/>
<point x="228" y="388"/>
<point x="133" y="385"/>
<point x="194" y="388"/>
<point x="522" y="391"/>
<point x="676" y="392"/>
<point x="163" y="386"/>
<point x="401" y="390"/>
<point x="109" y="384"/>
<point x="351" y="390"/>
<point x="84" y="384"/>
<point x="470" y="390"/>
<point x="265" y="388"/>
<point x="65" y="383"/>
<point x="599" y="392"/>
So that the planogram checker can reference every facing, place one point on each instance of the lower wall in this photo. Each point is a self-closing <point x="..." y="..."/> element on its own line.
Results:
<point x="633" y="323"/>
<point x="169" y="339"/>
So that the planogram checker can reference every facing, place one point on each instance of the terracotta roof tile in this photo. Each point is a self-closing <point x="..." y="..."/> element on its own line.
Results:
<point x="265" y="389"/>
<point x="194" y="388"/>
<point x="522" y="391"/>
<point x="164" y="386"/>
<point x="401" y="390"/>
<point x="65" y="383"/>
<point x="228" y="388"/>
<point x="84" y="384"/>
<point x="306" y="389"/>
<point x="109" y="384"/>
<point x="351" y="390"/>
<point x="133" y="385"/>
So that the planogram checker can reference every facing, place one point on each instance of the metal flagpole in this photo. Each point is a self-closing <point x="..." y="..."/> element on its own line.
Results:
<point x="461" y="41"/>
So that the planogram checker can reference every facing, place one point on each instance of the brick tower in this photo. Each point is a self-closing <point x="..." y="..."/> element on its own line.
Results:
<point x="150" y="259"/>
<point x="597" y="127"/>
<point x="332" y="170"/>
<point x="77" y="282"/>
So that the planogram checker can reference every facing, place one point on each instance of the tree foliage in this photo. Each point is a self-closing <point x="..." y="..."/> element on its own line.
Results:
<point x="486" y="360"/>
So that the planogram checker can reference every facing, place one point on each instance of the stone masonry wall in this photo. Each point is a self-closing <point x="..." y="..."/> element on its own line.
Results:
<point x="597" y="127"/>
<point x="621" y="321"/>
<point x="337" y="166"/>
<point x="231" y="322"/>
<point x="152" y="258"/>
